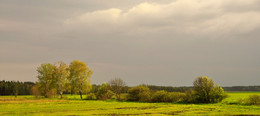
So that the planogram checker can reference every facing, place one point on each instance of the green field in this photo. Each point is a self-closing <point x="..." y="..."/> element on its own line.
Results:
<point x="28" y="105"/>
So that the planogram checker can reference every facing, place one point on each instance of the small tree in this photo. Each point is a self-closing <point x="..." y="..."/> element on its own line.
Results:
<point x="206" y="92"/>
<point x="117" y="86"/>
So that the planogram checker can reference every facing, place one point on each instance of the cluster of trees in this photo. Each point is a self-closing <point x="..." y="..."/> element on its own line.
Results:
<point x="59" y="77"/>
<point x="203" y="91"/>
<point x="142" y="93"/>
<point x="15" y="88"/>
<point x="114" y="88"/>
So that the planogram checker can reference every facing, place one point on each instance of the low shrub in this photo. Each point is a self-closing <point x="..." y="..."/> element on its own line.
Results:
<point x="164" y="96"/>
<point x="189" y="96"/>
<point x="91" y="96"/>
<point x="104" y="93"/>
<point x="253" y="100"/>
<point x="160" y="96"/>
<point x="35" y="91"/>
<point x="52" y="93"/>
<point x="176" y="96"/>
<point x="140" y="93"/>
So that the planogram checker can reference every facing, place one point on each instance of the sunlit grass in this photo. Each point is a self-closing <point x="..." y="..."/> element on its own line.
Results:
<point x="72" y="105"/>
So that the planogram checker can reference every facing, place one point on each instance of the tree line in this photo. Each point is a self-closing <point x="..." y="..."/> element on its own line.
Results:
<point x="9" y="87"/>
<point x="15" y="88"/>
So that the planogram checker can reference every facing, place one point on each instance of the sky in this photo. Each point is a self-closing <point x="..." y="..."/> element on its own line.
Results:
<point x="166" y="42"/>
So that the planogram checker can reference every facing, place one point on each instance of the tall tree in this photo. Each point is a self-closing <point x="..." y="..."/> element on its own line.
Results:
<point x="117" y="86"/>
<point x="80" y="76"/>
<point x="46" y="78"/>
<point x="61" y="74"/>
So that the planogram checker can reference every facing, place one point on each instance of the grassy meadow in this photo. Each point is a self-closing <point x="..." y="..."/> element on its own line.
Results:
<point x="72" y="105"/>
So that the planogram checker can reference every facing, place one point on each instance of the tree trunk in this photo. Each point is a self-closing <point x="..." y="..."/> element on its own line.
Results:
<point x="61" y="95"/>
<point x="80" y="95"/>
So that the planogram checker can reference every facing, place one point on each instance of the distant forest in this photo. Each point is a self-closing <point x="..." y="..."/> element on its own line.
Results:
<point x="15" y="88"/>
<point x="24" y="88"/>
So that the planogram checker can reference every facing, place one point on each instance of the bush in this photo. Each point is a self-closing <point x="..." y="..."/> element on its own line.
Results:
<point x="139" y="93"/>
<point x="160" y="96"/>
<point x="217" y="95"/>
<point x="253" y="100"/>
<point x="176" y="96"/>
<point x="35" y="91"/>
<point x="104" y="93"/>
<point x="52" y="93"/>
<point x="189" y="96"/>
<point x="91" y="96"/>
<point x="241" y="101"/>
<point x="164" y="96"/>
<point x="109" y="94"/>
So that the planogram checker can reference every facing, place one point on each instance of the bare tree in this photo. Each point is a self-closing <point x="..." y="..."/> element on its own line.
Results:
<point x="117" y="86"/>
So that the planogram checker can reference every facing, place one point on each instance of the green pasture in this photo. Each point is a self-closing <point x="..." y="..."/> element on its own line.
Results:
<point x="72" y="105"/>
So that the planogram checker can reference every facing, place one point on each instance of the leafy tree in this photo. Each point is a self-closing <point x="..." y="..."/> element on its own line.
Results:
<point x="46" y="78"/>
<point x="79" y="77"/>
<point x="117" y="86"/>
<point x="61" y="74"/>
<point x="205" y="91"/>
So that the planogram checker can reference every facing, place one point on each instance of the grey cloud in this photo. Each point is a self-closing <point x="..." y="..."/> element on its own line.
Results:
<point x="152" y="42"/>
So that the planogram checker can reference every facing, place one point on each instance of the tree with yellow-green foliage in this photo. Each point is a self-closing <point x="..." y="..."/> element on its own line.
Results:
<point x="79" y="77"/>
<point x="46" y="78"/>
<point x="205" y="91"/>
<point x="61" y="74"/>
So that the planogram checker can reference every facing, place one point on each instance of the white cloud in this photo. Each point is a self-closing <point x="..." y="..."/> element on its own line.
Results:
<point x="181" y="16"/>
